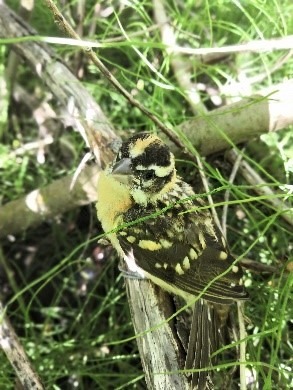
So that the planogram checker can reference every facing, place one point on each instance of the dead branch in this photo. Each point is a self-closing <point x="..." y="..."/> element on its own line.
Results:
<point x="16" y="355"/>
<point x="269" y="110"/>
<point x="48" y="202"/>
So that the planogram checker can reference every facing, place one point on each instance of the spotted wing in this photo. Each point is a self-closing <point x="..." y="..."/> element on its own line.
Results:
<point x="188" y="261"/>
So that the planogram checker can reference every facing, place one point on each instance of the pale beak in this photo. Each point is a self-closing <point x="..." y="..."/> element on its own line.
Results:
<point x="122" y="170"/>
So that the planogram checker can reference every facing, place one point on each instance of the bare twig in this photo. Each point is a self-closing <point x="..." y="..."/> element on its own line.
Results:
<point x="45" y="203"/>
<point x="264" y="45"/>
<point x="204" y="54"/>
<point x="109" y="76"/>
<point x="16" y="355"/>
<point x="93" y="24"/>
<point x="179" y="65"/>
<point x="32" y="146"/>
<point x="80" y="16"/>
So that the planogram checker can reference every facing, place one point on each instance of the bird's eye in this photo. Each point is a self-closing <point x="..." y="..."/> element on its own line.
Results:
<point x="149" y="175"/>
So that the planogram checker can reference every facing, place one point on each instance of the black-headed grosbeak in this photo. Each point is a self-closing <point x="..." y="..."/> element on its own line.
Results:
<point x="175" y="243"/>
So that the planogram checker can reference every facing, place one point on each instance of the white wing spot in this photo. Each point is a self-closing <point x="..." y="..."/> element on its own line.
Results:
<point x="223" y="255"/>
<point x="136" y="230"/>
<point x="235" y="268"/>
<point x="202" y="240"/>
<point x="166" y="244"/>
<point x="165" y="265"/>
<point x="186" y="263"/>
<point x="178" y="269"/>
<point x="158" y="265"/>
<point x="149" y="245"/>
<point x="193" y="255"/>
<point x="131" y="239"/>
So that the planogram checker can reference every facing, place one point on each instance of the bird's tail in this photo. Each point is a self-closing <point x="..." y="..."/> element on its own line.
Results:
<point x="206" y="336"/>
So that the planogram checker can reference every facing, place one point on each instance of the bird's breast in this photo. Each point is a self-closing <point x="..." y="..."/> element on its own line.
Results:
<point x="113" y="201"/>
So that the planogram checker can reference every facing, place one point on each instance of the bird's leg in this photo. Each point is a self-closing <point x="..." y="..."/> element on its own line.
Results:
<point x="133" y="271"/>
<point x="127" y="273"/>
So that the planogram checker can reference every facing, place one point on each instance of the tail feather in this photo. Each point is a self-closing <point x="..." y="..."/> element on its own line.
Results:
<point x="204" y="340"/>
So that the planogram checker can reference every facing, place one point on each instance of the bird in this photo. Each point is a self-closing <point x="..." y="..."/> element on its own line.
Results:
<point x="164" y="232"/>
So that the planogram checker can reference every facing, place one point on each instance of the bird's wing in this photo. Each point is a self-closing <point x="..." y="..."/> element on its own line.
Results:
<point x="184" y="261"/>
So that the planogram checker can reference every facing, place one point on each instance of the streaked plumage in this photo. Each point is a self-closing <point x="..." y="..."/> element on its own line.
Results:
<point x="174" y="243"/>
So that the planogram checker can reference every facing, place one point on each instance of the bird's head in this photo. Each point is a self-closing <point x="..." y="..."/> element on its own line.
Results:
<point x="146" y="167"/>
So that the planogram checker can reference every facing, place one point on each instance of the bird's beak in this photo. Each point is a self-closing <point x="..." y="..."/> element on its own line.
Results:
<point x="122" y="170"/>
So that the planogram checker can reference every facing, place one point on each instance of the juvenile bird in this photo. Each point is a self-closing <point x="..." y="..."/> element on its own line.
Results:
<point x="175" y="243"/>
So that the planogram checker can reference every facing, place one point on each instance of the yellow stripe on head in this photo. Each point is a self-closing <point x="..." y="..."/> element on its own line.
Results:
<point x="141" y="144"/>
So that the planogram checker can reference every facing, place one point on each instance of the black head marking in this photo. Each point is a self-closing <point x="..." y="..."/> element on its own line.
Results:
<point x="145" y="150"/>
<point x="151" y="163"/>
<point x="124" y="150"/>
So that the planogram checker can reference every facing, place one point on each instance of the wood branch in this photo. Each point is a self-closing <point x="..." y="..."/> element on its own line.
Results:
<point x="46" y="203"/>
<point x="269" y="110"/>
<point x="256" y="46"/>
<point x="16" y="355"/>
<point x="161" y="351"/>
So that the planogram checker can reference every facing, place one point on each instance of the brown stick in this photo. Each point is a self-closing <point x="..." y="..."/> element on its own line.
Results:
<point x="269" y="110"/>
<point x="42" y="204"/>
<point x="10" y="344"/>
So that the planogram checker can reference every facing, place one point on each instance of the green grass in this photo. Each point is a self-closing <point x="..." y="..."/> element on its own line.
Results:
<point x="67" y="306"/>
